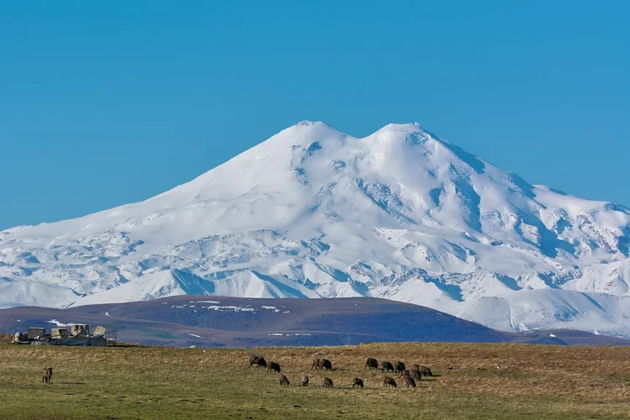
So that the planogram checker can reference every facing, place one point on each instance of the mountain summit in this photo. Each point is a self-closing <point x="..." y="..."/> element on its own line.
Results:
<point x="314" y="212"/>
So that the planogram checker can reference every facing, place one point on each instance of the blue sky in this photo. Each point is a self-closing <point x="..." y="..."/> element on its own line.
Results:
<point x="104" y="103"/>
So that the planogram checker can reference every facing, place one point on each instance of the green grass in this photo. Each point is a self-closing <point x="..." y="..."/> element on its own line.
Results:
<point x="154" y="382"/>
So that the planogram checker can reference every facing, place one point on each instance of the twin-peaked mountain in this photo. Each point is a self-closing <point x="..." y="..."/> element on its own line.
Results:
<point x="313" y="212"/>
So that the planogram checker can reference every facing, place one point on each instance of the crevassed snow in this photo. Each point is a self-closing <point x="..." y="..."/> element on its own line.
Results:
<point x="313" y="212"/>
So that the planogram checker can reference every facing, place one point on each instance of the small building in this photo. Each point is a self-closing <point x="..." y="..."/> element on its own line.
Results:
<point x="35" y="332"/>
<point x="59" y="333"/>
<point x="79" y="329"/>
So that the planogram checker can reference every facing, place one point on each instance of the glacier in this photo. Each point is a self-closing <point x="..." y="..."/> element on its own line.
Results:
<point x="314" y="212"/>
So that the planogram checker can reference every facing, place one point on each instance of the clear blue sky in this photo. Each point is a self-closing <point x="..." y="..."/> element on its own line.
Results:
<point x="108" y="102"/>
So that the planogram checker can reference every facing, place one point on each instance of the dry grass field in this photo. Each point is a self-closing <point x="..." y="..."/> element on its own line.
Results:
<point x="473" y="381"/>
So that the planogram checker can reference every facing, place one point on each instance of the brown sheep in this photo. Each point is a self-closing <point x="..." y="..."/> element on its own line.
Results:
<point x="371" y="363"/>
<point x="328" y="383"/>
<point x="409" y="382"/>
<point x="257" y="361"/>
<point x="324" y="364"/>
<point x="273" y="366"/>
<point x="387" y="367"/>
<point x="388" y="381"/>
<point x="357" y="382"/>
<point x="415" y="374"/>
<point x="305" y="380"/>
<point x="425" y="371"/>
<point x="47" y="374"/>
<point x="283" y="380"/>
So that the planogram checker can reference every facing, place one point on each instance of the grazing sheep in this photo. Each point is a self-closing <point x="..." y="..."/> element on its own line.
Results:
<point x="305" y="380"/>
<point x="357" y="382"/>
<point x="328" y="383"/>
<point x="283" y="380"/>
<point x="388" y="381"/>
<point x="387" y="367"/>
<point x="400" y="366"/>
<point x="415" y="374"/>
<point x="324" y="364"/>
<point x="47" y="374"/>
<point x="257" y="361"/>
<point x="371" y="363"/>
<point x="409" y="382"/>
<point x="425" y="371"/>
<point x="273" y="366"/>
<point x="415" y="366"/>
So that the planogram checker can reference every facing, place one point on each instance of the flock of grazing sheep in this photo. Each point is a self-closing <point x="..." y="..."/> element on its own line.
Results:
<point x="409" y="376"/>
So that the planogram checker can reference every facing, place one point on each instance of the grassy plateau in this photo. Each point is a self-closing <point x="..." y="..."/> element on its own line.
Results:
<point x="472" y="381"/>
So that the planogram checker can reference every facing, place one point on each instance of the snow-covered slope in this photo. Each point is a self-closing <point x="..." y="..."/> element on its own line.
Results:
<point x="314" y="212"/>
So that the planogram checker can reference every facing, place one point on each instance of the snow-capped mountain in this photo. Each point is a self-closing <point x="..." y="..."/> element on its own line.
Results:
<point x="313" y="212"/>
